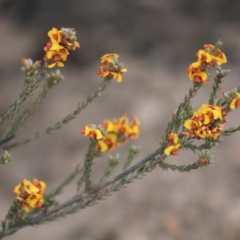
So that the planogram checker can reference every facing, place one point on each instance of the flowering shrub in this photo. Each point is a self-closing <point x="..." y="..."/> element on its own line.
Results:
<point x="34" y="206"/>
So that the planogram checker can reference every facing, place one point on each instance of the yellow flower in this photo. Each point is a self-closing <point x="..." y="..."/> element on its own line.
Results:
<point x="61" y="54"/>
<point x="204" y="56"/>
<point x="194" y="68"/>
<point x="173" y="150"/>
<point x="25" y="186"/>
<point x="215" y="110"/>
<point x="206" y="122"/>
<point x="135" y="129"/>
<point x="122" y="120"/>
<point x="173" y="144"/>
<point x="188" y="124"/>
<point x="92" y="133"/>
<point x="55" y="57"/>
<point x="109" y="143"/>
<point x="217" y="131"/>
<point x="56" y="64"/>
<point x="200" y="77"/>
<point x="173" y="138"/>
<point x="102" y="146"/>
<point x="235" y="101"/>
<point x="118" y="75"/>
<point x="55" y="35"/>
<point x="109" y="57"/>
<point x="196" y="73"/>
<point x="73" y="46"/>
<point x="108" y="125"/>
<point x="40" y="185"/>
<point x="30" y="194"/>
<point x="220" y="58"/>
<point x="111" y="68"/>
<point x="57" y="48"/>
<point x="117" y="133"/>
<point x="207" y="57"/>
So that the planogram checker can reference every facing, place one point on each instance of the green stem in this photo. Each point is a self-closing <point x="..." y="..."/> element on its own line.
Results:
<point x="88" y="162"/>
<point x="20" y="120"/>
<point x="133" y="172"/>
<point x="65" y="120"/>
<point x="180" y="168"/>
<point x="27" y="92"/>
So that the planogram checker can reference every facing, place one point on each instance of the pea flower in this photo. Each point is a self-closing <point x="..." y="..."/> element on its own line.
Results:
<point x="92" y="132"/>
<point x="59" y="45"/>
<point x="173" y="145"/>
<point x="235" y="102"/>
<point x="30" y="194"/>
<point x="207" y="57"/>
<point x="206" y="122"/>
<point x="111" y="68"/>
<point x="218" y="57"/>
<point x="118" y="132"/>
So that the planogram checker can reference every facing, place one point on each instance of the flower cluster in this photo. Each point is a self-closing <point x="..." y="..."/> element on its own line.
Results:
<point x="206" y="122"/>
<point x="173" y="145"/>
<point x="111" y="68"/>
<point x="30" y="194"/>
<point x="208" y="57"/>
<point x="118" y="132"/>
<point x="57" y="49"/>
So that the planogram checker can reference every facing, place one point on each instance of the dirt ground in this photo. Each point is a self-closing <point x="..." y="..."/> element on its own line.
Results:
<point x="200" y="205"/>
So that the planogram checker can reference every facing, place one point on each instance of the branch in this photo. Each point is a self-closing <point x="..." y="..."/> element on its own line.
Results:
<point x="140" y="167"/>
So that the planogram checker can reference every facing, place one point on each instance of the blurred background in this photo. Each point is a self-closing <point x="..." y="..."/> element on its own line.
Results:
<point x="156" y="41"/>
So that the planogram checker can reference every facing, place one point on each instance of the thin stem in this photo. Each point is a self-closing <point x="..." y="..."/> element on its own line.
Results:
<point x="65" y="120"/>
<point x="88" y="162"/>
<point x="22" y="118"/>
<point x="26" y="92"/>
<point x="89" y="194"/>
